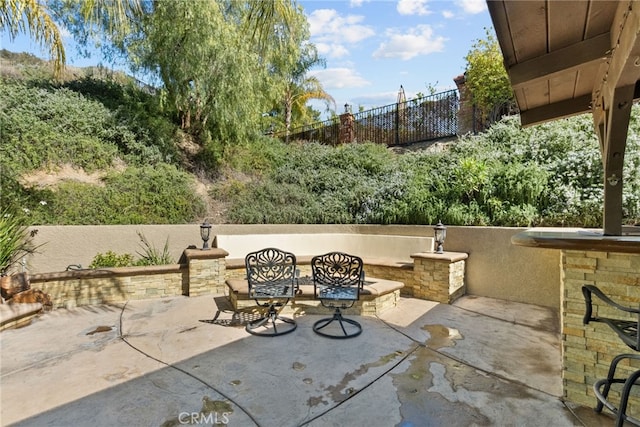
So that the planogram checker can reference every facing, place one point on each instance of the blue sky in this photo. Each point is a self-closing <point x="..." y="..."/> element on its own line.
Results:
<point x="371" y="47"/>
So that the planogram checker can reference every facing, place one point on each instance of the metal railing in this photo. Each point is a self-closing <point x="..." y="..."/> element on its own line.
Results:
<point x="420" y="119"/>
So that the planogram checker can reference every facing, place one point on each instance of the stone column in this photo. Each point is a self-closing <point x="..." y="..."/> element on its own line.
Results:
<point x="206" y="271"/>
<point x="347" y="134"/>
<point x="439" y="277"/>
<point x="467" y="122"/>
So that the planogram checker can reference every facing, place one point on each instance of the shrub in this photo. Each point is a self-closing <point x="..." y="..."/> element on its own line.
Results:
<point x="146" y="195"/>
<point x="111" y="259"/>
<point x="15" y="240"/>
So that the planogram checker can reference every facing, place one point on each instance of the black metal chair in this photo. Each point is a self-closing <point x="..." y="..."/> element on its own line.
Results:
<point x="628" y="332"/>
<point x="271" y="274"/>
<point x="337" y="281"/>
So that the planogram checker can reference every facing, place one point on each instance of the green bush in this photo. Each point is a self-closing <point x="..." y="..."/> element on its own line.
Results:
<point x="145" y="195"/>
<point x="111" y="259"/>
<point x="549" y="174"/>
<point x="150" y="255"/>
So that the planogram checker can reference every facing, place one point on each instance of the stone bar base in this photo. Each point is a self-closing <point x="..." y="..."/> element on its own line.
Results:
<point x="439" y="277"/>
<point x="589" y="349"/>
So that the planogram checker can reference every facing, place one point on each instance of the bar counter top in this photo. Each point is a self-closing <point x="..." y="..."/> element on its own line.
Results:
<point x="577" y="239"/>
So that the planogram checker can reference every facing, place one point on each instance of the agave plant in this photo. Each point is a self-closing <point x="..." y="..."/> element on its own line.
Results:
<point x="15" y="240"/>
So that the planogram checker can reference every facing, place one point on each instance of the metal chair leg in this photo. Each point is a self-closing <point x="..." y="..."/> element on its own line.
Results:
<point x="337" y="316"/>
<point x="602" y="387"/>
<point x="272" y="316"/>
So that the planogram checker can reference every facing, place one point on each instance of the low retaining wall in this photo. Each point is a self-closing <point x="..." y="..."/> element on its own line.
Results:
<point x="367" y="246"/>
<point x="495" y="268"/>
<point x="201" y="273"/>
<point x="110" y="285"/>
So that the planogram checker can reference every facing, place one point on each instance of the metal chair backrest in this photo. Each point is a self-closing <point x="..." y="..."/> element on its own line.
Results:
<point x="338" y="269"/>
<point x="271" y="272"/>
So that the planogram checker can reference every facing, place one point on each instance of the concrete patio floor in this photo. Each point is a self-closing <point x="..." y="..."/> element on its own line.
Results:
<point x="163" y="362"/>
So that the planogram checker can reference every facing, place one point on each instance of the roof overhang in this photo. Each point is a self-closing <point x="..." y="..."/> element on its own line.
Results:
<point x="570" y="57"/>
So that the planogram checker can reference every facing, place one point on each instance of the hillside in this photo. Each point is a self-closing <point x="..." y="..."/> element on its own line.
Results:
<point x="96" y="148"/>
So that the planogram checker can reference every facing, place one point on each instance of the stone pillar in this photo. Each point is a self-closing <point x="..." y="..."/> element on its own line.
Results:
<point x="439" y="277"/>
<point x="347" y="134"/>
<point x="206" y="271"/>
<point x="467" y="122"/>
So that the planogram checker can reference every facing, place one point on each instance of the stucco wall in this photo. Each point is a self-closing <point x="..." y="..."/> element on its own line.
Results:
<point x="495" y="268"/>
<point x="498" y="269"/>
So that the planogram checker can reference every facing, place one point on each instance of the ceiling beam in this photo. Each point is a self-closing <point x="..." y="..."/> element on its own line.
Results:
<point x="572" y="57"/>
<point x="558" y="110"/>
<point x="622" y="68"/>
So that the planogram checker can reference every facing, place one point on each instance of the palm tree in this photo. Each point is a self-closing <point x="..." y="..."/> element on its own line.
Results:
<point x="22" y="16"/>
<point x="297" y="96"/>
<point x="33" y="17"/>
<point x="301" y="88"/>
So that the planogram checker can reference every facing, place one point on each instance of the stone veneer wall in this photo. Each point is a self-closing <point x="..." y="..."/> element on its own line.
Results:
<point x="110" y="285"/>
<point x="589" y="349"/>
<point x="199" y="273"/>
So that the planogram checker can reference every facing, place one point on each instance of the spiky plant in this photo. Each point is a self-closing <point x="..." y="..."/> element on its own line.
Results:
<point x="16" y="240"/>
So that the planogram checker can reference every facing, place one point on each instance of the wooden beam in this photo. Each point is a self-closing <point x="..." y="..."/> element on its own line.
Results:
<point x="570" y="58"/>
<point x="623" y="66"/>
<point x="614" y="131"/>
<point x="558" y="110"/>
<point x="612" y="98"/>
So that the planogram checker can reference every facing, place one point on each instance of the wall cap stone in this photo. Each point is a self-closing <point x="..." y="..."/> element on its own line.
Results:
<point x="91" y="273"/>
<point x="445" y="256"/>
<point x="211" y="253"/>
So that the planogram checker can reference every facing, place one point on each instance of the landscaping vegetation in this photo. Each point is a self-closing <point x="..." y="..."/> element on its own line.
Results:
<point x="145" y="170"/>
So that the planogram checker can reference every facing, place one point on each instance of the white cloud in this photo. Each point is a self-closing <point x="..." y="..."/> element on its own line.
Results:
<point x="473" y="6"/>
<point x="332" y="50"/>
<point x="339" y="78"/>
<point x="417" y="41"/>
<point x="447" y="14"/>
<point x="413" y="7"/>
<point x="357" y="3"/>
<point x="327" y="26"/>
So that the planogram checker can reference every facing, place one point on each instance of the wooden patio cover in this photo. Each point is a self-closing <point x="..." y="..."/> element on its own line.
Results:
<point x="570" y="57"/>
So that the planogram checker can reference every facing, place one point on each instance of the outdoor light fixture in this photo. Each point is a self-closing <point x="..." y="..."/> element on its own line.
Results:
<point x="205" y="233"/>
<point x="439" y="233"/>
<point x="347" y="108"/>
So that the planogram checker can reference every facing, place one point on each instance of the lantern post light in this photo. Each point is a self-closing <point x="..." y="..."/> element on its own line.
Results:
<point x="439" y="233"/>
<point x="205" y="233"/>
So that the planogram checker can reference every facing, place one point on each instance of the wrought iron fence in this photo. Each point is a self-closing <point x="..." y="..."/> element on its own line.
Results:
<point x="421" y="119"/>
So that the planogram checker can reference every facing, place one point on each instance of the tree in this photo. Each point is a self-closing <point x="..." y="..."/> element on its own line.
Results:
<point x="209" y="70"/>
<point x="487" y="78"/>
<point x="30" y="16"/>
<point x="301" y="88"/>
<point x="38" y="19"/>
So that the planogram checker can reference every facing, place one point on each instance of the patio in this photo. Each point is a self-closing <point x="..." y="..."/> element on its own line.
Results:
<point x="480" y="361"/>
